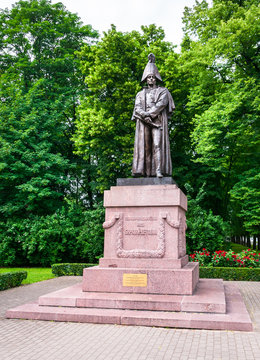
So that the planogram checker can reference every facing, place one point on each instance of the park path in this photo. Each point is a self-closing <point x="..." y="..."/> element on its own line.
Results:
<point x="40" y="340"/>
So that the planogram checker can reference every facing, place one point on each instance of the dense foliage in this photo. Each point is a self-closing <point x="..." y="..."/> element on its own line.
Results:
<point x="223" y="65"/>
<point x="11" y="279"/>
<point x="67" y="235"/>
<point x="203" y="227"/>
<point x="40" y="85"/>
<point x="66" y="135"/>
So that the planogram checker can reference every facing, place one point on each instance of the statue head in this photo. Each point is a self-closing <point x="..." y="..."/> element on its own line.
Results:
<point x="151" y="80"/>
<point x="151" y="69"/>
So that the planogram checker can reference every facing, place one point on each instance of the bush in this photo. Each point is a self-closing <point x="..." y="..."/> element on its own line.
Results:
<point x="91" y="235"/>
<point x="204" y="229"/>
<point x="71" y="234"/>
<point x="227" y="273"/>
<point x="69" y="269"/>
<point x="12" y="279"/>
<point x="11" y="240"/>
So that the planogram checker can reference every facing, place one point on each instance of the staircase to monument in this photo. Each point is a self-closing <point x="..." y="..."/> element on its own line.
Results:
<point x="212" y="306"/>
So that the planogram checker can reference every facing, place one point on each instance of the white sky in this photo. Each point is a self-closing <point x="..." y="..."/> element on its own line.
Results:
<point x="128" y="15"/>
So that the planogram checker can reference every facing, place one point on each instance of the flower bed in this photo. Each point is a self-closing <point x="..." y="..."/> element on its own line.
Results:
<point x="221" y="258"/>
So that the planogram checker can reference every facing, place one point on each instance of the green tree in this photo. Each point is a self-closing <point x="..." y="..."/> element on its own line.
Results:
<point x="33" y="171"/>
<point x="113" y="69"/>
<point x="246" y="195"/>
<point x="40" y="85"/>
<point x="221" y="58"/>
<point x="204" y="229"/>
<point x="70" y="234"/>
<point x="183" y="152"/>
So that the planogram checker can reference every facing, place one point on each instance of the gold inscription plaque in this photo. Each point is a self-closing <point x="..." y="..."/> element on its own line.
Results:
<point x="134" y="279"/>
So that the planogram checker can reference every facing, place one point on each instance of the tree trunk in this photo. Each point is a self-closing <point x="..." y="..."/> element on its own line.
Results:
<point x="248" y="242"/>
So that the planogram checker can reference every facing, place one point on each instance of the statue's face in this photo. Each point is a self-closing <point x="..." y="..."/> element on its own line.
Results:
<point x="151" y="79"/>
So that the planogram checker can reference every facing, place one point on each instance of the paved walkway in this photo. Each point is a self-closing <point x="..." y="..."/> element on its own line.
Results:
<point x="43" y="340"/>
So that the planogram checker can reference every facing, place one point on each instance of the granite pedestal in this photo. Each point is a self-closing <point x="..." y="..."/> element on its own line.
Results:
<point x="144" y="277"/>
<point x="145" y="247"/>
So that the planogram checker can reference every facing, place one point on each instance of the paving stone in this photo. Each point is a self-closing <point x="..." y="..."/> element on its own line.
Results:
<point x="39" y="340"/>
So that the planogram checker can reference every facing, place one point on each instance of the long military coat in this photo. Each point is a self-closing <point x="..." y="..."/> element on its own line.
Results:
<point x="161" y="109"/>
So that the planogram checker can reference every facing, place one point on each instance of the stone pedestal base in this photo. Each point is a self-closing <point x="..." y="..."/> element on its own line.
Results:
<point x="142" y="281"/>
<point x="145" y="277"/>
<point x="213" y="306"/>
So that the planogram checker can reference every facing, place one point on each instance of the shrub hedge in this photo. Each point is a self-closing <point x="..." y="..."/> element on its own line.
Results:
<point x="230" y="273"/>
<point x="69" y="269"/>
<point x="12" y="279"/>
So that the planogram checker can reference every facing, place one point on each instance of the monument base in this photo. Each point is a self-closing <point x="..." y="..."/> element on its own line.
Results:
<point x="213" y="305"/>
<point x="145" y="277"/>
<point x="141" y="280"/>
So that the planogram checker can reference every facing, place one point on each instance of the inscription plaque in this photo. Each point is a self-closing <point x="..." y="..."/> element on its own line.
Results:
<point x="140" y="232"/>
<point x="135" y="280"/>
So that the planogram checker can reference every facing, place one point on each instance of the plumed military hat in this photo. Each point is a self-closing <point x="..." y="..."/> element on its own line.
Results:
<point x="151" y="69"/>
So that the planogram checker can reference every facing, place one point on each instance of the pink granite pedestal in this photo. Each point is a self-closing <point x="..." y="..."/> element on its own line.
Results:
<point x="144" y="235"/>
<point x="145" y="277"/>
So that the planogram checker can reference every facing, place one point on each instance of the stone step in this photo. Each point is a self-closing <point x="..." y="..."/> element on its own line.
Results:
<point x="236" y="317"/>
<point x="208" y="297"/>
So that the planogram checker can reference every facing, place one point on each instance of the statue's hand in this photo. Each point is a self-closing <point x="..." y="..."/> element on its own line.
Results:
<point x="148" y="120"/>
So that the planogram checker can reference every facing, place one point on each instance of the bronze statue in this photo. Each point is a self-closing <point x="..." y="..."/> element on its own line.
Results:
<point x="153" y="106"/>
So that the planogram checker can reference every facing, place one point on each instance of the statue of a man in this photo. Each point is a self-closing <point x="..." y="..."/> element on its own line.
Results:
<point x="153" y="107"/>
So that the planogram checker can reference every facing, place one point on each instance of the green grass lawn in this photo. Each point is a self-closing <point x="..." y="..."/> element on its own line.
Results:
<point x="33" y="274"/>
